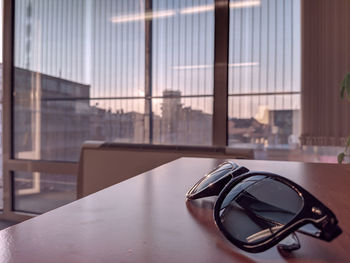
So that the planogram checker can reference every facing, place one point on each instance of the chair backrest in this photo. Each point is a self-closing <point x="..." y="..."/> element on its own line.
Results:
<point x="104" y="164"/>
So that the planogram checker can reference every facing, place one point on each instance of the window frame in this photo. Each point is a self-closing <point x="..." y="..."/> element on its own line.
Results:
<point x="10" y="164"/>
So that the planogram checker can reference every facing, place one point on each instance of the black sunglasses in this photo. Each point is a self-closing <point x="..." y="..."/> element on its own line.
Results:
<point x="257" y="210"/>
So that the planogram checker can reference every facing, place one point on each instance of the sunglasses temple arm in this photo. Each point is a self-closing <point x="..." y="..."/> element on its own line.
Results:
<point x="326" y="229"/>
<point x="290" y="243"/>
<point x="212" y="190"/>
<point x="329" y="231"/>
<point x="215" y="189"/>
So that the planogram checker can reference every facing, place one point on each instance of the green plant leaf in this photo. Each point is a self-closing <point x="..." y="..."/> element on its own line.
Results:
<point x="341" y="157"/>
<point x="345" y="86"/>
<point x="342" y="90"/>
<point x="347" y="144"/>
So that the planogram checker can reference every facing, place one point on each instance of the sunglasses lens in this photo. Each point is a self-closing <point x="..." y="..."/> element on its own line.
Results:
<point x="219" y="172"/>
<point x="258" y="207"/>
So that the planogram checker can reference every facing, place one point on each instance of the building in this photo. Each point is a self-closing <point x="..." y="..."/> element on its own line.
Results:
<point x="49" y="121"/>
<point x="183" y="125"/>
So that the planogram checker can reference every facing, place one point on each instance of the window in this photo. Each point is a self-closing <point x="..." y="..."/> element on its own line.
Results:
<point x="142" y="72"/>
<point x="115" y="70"/>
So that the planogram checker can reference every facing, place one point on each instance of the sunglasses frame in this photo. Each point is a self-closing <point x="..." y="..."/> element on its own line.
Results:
<point x="312" y="211"/>
<point x="218" y="185"/>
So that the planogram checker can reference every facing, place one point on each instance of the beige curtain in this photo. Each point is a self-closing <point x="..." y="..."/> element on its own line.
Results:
<point x="325" y="60"/>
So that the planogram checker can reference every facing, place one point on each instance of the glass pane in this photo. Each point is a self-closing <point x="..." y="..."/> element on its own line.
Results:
<point x="40" y="192"/>
<point x="94" y="70"/>
<point x="264" y="74"/>
<point x="79" y="75"/>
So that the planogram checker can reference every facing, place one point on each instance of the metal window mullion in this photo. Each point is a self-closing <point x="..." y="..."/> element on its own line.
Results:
<point x="7" y="116"/>
<point x="148" y="72"/>
<point x="221" y="51"/>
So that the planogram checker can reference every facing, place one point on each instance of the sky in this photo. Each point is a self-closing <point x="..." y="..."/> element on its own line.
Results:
<point x="102" y="44"/>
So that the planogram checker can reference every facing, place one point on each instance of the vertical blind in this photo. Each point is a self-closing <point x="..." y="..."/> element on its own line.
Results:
<point x="325" y="60"/>
<point x="136" y="71"/>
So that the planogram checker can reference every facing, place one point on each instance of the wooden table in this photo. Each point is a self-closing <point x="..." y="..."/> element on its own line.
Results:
<point x="147" y="219"/>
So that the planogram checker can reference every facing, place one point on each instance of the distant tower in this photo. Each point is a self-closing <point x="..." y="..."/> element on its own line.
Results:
<point x="171" y="111"/>
<point x="171" y="102"/>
